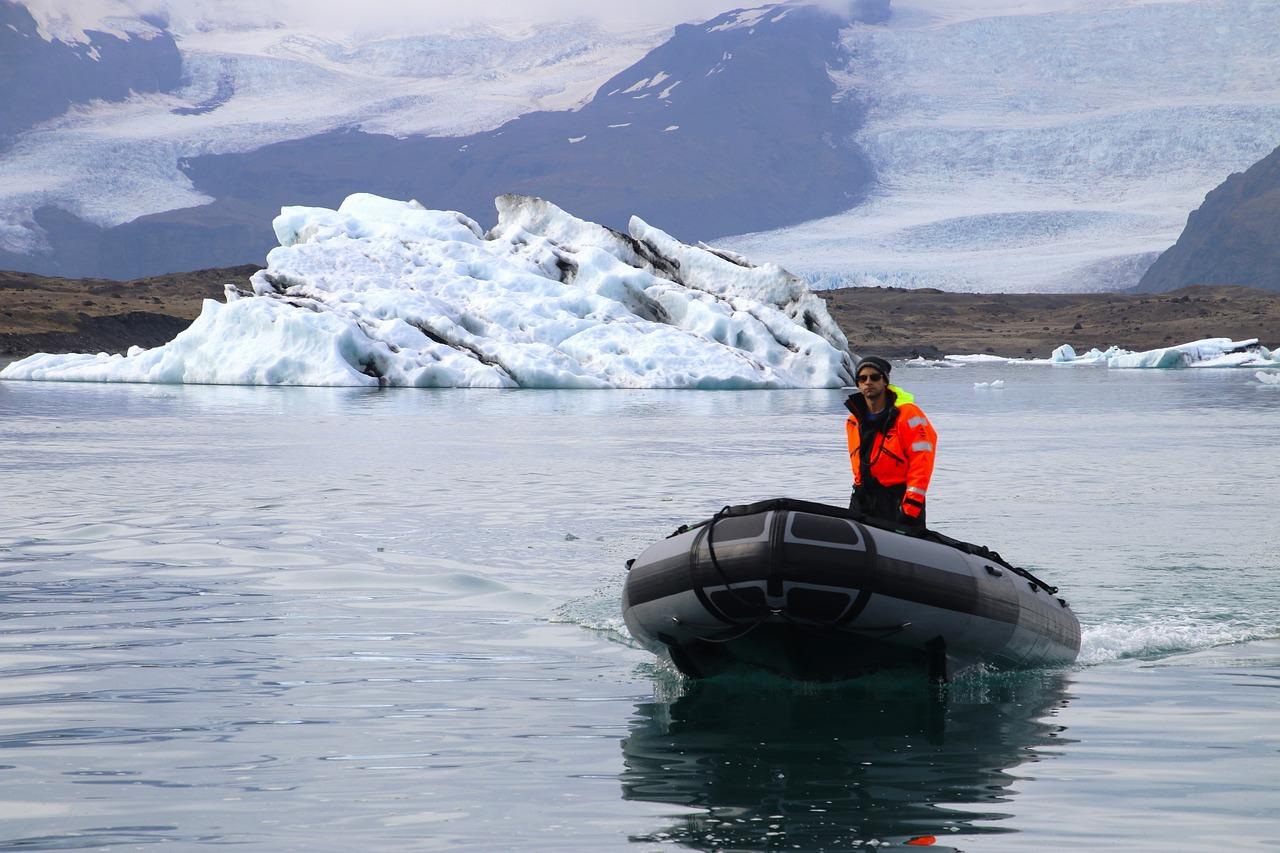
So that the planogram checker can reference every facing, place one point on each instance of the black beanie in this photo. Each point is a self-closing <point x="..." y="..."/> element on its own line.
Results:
<point x="874" y="361"/>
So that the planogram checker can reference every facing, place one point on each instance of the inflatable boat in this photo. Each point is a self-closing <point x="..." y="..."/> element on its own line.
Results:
<point x="819" y="593"/>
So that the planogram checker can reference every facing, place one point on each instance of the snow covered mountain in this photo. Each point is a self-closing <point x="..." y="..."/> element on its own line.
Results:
<point x="68" y="182"/>
<point x="40" y="78"/>
<point x="1233" y="238"/>
<point x="1051" y="145"/>
<point x="992" y="145"/>
<point x="728" y="126"/>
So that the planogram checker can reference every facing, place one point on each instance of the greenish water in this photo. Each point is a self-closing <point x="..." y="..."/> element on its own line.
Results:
<point x="303" y="619"/>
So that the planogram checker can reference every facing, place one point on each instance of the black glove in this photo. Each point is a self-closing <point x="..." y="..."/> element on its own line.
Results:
<point x="907" y="523"/>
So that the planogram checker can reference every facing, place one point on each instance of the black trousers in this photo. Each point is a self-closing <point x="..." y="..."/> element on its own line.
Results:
<point x="884" y="503"/>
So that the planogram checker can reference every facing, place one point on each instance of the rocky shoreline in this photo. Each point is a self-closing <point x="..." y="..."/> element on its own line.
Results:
<point x="42" y="314"/>
<point x="931" y="323"/>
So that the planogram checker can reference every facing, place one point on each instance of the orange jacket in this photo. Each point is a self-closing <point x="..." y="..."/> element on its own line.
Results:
<point x="902" y="451"/>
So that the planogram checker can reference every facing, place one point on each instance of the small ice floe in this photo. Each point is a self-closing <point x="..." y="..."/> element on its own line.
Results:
<point x="1271" y="379"/>
<point x="995" y="383"/>
<point x="921" y="361"/>
<point x="1066" y="354"/>
<point x="389" y="293"/>
<point x="1209" y="352"/>
<point x="1253" y="356"/>
<point x="980" y="358"/>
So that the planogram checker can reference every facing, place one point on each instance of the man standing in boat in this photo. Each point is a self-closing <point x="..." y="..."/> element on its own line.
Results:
<point x="891" y="449"/>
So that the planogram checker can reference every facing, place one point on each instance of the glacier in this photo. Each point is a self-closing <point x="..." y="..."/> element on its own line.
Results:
<point x="1039" y="145"/>
<point x="111" y="163"/>
<point x="1019" y="145"/>
<point x="388" y="293"/>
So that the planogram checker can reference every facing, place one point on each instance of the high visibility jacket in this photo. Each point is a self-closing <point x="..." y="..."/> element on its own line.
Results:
<point x="902" y="449"/>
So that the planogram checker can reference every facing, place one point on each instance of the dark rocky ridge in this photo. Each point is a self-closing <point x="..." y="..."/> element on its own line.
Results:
<point x="112" y="333"/>
<point x="1233" y="238"/>
<point x="41" y="314"/>
<point x="761" y="144"/>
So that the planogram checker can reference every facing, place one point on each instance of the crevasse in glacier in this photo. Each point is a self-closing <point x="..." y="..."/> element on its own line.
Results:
<point x="383" y="292"/>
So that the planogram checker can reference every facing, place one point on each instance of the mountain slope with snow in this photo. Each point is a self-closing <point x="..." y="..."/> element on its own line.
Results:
<point x="1051" y="146"/>
<point x="727" y="126"/>
<point x="987" y="145"/>
<point x="1233" y="238"/>
<point x="40" y="77"/>
<point x="103" y="165"/>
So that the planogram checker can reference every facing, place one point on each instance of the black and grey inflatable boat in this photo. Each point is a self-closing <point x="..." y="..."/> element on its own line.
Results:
<point x="818" y="593"/>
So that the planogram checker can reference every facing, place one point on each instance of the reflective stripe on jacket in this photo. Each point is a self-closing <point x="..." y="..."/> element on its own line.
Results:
<point x="903" y="450"/>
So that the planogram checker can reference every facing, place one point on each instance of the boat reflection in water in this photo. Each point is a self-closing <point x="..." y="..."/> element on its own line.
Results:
<point x="772" y="766"/>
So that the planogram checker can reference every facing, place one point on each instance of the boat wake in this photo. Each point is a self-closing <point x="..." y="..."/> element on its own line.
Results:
<point x="1113" y="641"/>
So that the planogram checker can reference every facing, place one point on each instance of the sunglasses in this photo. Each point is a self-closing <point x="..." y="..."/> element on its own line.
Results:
<point x="869" y="377"/>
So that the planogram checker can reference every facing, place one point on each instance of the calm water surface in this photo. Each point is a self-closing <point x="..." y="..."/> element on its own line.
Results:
<point x="305" y="619"/>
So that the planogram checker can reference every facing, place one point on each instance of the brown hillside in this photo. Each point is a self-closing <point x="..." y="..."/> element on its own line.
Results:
<point x="39" y="314"/>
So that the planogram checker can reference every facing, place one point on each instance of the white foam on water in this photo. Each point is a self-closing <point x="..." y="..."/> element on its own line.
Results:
<point x="1114" y="641"/>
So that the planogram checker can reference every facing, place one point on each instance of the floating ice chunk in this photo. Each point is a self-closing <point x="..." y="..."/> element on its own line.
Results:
<point x="1272" y="379"/>
<point x="1066" y="354"/>
<point x="1184" y="355"/>
<point x="1210" y="352"/>
<point x="383" y="292"/>
<point x="1260" y="356"/>
<point x="980" y="358"/>
<point x="995" y="383"/>
<point x="1248" y="358"/>
<point x="921" y="361"/>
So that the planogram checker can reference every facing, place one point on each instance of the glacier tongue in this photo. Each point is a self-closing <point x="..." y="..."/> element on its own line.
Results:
<point x="1050" y="146"/>
<point x="384" y="292"/>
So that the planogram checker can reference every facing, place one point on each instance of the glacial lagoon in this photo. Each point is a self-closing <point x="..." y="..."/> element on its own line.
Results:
<point x="336" y="619"/>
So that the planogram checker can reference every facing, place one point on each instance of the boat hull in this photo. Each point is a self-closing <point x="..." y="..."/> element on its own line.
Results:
<point x="814" y="592"/>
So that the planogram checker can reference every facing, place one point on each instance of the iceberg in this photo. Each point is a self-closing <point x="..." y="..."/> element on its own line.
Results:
<point x="979" y="358"/>
<point x="1209" y="352"/>
<point x="1271" y="379"/>
<point x="1066" y="354"/>
<point x="389" y="293"/>
<point x="932" y="363"/>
